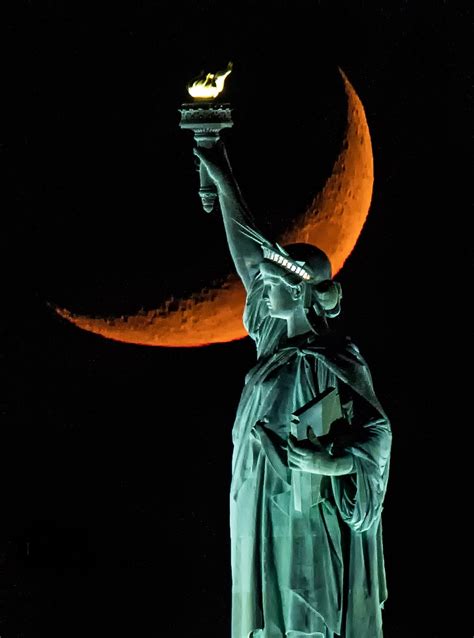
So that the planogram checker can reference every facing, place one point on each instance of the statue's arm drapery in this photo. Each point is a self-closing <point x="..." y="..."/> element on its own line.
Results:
<point x="359" y="496"/>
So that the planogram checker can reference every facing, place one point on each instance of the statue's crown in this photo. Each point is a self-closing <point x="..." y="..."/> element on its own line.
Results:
<point x="282" y="258"/>
<point x="277" y="254"/>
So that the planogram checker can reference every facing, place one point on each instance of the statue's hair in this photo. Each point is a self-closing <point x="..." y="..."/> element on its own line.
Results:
<point x="315" y="259"/>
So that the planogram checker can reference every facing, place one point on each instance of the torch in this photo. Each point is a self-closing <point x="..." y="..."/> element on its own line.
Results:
<point x="206" y="118"/>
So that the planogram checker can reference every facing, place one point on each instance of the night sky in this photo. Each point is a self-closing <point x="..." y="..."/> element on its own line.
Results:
<point x="116" y="458"/>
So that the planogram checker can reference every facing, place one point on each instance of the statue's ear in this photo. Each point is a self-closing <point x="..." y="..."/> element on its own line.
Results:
<point x="297" y="291"/>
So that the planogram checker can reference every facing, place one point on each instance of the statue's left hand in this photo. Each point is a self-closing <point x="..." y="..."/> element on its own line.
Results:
<point x="274" y="448"/>
<point x="267" y="436"/>
<point x="311" y="456"/>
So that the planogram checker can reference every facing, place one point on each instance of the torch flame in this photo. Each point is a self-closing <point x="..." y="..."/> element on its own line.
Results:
<point x="211" y="85"/>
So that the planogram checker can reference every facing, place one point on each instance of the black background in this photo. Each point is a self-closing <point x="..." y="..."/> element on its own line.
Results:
<point x="116" y="462"/>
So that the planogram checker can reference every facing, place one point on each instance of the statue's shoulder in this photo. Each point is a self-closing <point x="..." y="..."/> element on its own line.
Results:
<point x="343" y="358"/>
<point x="337" y="349"/>
<point x="351" y="349"/>
<point x="332" y="343"/>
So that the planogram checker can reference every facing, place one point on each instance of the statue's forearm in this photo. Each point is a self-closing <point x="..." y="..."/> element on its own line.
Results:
<point x="233" y="206"/>
<point x="245" y="252"/>
<point x="343" y="464"/>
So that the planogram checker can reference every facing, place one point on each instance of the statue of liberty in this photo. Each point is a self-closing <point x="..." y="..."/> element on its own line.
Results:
<point x="311" y="446"/>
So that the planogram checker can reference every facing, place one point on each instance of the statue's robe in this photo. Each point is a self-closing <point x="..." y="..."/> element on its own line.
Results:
<point x="318" y="572"/>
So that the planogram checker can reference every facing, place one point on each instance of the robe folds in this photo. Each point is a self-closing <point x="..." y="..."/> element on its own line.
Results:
<point x="315" y="570"/>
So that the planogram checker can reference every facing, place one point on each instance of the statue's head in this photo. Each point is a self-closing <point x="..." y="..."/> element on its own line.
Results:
<point x="296" y="277"/>
<point x="301" y="279"/>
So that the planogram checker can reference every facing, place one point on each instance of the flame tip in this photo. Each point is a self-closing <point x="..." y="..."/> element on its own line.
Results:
<point x="211" y="85"/>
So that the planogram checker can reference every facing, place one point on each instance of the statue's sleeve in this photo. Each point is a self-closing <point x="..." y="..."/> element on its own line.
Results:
<point x="359" y="496"/>
<point x="254" y="313"/>
<point x="263" y="329"/>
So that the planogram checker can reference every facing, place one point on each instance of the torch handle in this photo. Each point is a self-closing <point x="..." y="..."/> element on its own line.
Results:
<point x="207" y="188"/>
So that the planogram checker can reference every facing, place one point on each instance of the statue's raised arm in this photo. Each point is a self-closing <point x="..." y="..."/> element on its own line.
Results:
<point x="247" y="254"/>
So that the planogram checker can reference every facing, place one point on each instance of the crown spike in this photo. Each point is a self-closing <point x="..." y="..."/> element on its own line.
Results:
<point x="275" y="252"/>
<point x="282" y="250"/>
<point x="251" y="233"/>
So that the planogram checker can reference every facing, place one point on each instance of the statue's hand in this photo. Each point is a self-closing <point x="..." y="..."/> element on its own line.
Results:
<point x="311" y="456"/>
<point x="217" y="164"/>
<point x="272" y="443"/>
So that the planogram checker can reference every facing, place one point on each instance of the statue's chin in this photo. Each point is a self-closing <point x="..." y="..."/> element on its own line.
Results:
<point x="275" y="314"/>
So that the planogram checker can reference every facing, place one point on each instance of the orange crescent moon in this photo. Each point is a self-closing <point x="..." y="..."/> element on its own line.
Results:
<point x="333" y="222"/>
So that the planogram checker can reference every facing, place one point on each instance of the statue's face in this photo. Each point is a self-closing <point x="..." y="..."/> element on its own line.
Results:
<point x="280" y="299"/>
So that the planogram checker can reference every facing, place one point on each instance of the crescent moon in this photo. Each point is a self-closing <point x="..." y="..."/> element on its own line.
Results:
<point x="333" y="222"/>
